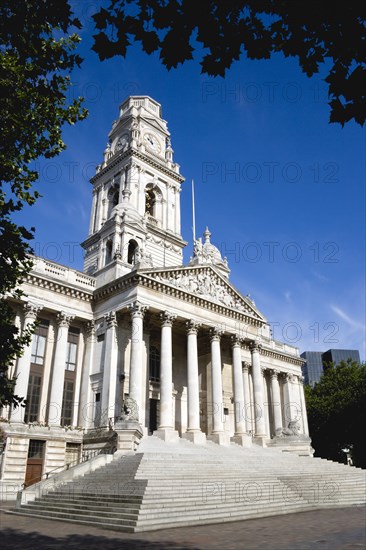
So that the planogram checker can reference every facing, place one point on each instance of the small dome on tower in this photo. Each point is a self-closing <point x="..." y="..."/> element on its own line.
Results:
<point x="207" y="253"/>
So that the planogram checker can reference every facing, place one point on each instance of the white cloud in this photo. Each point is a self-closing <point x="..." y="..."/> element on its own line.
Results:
<point x="351" y="322"/>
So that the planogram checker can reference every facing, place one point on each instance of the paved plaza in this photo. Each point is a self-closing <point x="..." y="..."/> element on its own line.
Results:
<point x="333" y="529"/>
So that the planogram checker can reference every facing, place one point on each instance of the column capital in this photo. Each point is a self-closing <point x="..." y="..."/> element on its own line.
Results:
<point x="245" y="366"/>
<point x="255" y="345"/>
<point x="215" y="334"/>
<point x="137" y="309"/>
<point x="274" y="374"/>
<point x="192" y="326"/>
<point x="64" y="319"/>
<point x="301" y="379"/>
<point x="236" y="340"/>
<point x="31" y="310"/>
<point x="167" y="319"/>
<point x="89" y="328"/>
<point x="111" y="319"/>
<point x="287" y="376"/>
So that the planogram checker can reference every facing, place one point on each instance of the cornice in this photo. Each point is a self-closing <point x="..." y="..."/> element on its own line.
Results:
<point x="122" y="155"/>
<point x="140" y="278"/>
<point x="60" y="288"/>
<point x="275" y="354"/>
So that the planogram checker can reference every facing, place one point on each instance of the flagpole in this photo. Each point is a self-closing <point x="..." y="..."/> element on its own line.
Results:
<point x="193" y="214"/>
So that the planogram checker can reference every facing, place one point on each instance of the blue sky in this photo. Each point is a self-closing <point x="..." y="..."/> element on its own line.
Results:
<point x="281" y="189"/>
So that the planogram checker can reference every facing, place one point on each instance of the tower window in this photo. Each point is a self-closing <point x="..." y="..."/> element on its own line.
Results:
<point x="131" y="254"/>
<point x="150" y="199"/>
<point x="115" y="198"/>
<point x="108" y="252"/>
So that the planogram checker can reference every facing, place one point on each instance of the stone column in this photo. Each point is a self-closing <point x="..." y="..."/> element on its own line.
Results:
<point x="93" y="213"/>
<point x="240" y="435"/>
<point x="110" y="370"/>
<point x="218" y="434"/>
<point x="166" y="429"/>
<point x="23" y="366"/>
<point x="276" y="401"/>
<point x="303" y="406"/>
<point x="193" y="433"/>
<point x="248" y="409"/>
<point x="58" y="372"/>
<point x="86" y="408"/>
<point x="291" y="408"/>
<point x="260" y="431"/>
<point x="137" y="311"/>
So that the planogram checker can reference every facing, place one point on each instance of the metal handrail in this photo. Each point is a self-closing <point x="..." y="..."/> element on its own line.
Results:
<point x="80" y="460"/>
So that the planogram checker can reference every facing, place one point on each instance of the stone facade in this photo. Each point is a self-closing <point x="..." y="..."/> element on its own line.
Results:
<point x="192" y="354"/>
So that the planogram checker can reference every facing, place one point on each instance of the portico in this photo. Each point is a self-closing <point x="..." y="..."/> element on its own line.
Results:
<point x="192" y="355"/>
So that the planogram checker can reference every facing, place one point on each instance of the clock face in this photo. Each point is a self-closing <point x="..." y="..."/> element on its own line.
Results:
<point x="152" y="143"/>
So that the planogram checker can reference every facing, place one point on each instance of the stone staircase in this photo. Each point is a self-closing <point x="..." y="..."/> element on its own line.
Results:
<point x="176" y="484"/>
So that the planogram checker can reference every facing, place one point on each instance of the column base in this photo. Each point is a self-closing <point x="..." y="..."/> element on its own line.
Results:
<point x="169" y="435"/>
<point x="244" y="440"/>
<point x="260" y="440"/>
<point x="197" y="437"/>
<point x="220" y="438"/>
<point x="129" y="434"/>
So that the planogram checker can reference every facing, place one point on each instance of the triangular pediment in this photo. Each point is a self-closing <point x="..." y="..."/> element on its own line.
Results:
<point x="154" y="123"/>
<point x="207" y="283"/>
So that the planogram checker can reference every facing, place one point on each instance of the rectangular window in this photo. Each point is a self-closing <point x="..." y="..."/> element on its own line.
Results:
<point x="72" y="349"/>
<point x="67" y="403"/>
<point x="72" y="453"/>
<point x="39" y="340"/>
<point x="33" y="398"/>
<point x="36" y="448"/>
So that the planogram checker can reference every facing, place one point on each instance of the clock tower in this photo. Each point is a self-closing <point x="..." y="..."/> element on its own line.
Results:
<point x="135" y="217"/>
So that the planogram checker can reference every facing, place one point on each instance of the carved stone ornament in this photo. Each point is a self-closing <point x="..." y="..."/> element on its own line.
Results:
<point x="89" y="328"/>
<point x="236" y="340"/>
<point x="246" y="366"/>
<point x="215" y="333"/>
<point x="31" y="310"/>
<point x="64" y="319"/>
<point x="167" y="319"/>
<point x="192" y="326"/>
<point x="143" y="259"/>
<point x="292" y="429"/>
<point x="255" y="346"/>
<point x="207" y="284"/>
<point x="111" y="319"/>
<point x="137" y="309"/>
<point x="130" y="410"/>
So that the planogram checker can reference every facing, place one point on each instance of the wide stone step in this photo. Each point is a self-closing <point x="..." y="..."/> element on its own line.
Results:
<point x="166" y="486"/>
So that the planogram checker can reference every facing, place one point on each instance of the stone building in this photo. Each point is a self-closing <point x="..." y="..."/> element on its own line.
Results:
<point x="193" y="354"/>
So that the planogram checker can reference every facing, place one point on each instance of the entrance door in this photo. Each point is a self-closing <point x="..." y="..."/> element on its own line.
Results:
<point x="153" y="415"/>
<point x="34" y="469"/>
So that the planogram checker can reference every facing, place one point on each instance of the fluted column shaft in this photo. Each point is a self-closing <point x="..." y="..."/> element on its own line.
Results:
<point x="276" y="400"/>
<point x="58" y="371"/>
<point x="192" y="377"/>
<point x="110" y="369"/>
<point x="216" y="382"/>
<point x="248" y="410"/>
<point x="23" y="365"/>
<point x="86" y="408"/>
<point x="303" y="406"/>
<point x="239" y="409"/>
<point x="260" y="430"/>
<point x="166" y="372"/>
<point x="137" y="311"/>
